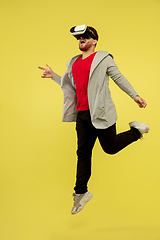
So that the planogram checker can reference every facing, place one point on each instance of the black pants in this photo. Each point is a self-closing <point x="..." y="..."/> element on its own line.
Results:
<point x="110" y="142"/>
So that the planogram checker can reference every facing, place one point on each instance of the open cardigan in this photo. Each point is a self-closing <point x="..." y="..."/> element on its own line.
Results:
<point x="102" y="108"/>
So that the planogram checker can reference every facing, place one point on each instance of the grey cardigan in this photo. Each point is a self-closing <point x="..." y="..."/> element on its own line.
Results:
<point x="102" y="109"/>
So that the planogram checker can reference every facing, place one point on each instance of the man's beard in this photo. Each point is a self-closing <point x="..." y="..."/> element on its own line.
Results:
<point x="84" y="48"/>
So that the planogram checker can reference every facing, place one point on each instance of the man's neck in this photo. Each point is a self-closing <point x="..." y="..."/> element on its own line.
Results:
<point x="87" y="54"/>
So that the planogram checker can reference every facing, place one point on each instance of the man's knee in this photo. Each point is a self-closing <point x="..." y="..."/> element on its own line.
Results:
<point x="111" y="150"/>
<point x="84" y="154"/>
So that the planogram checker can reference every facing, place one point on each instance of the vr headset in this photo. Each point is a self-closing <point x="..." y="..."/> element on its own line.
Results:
<point x="82" y="31"/>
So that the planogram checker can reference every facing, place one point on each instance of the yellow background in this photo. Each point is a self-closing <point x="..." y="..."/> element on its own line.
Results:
<point x="38" y="151"/>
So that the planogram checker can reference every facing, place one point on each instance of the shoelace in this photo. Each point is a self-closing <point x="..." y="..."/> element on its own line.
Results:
<point x="76" y="198"/>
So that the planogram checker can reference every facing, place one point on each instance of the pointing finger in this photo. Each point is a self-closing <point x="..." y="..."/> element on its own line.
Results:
<point x="41" y="68"/>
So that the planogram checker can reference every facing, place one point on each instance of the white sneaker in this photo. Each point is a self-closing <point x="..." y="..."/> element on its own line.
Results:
<point x="79" y="201"/>
<point x="143" y="128"/>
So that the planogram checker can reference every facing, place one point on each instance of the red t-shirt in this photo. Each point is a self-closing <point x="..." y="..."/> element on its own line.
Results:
<point x="80" y="71"/>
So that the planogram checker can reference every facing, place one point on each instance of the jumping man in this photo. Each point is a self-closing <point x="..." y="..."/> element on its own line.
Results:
<point x="88" y="102"/>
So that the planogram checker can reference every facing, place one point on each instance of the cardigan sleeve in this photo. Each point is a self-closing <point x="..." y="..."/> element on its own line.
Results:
<point x="57" y="79"/>
<point x="119" y="79"/>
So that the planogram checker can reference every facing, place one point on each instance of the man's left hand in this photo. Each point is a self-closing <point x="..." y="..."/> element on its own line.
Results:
<point x="140" y="101"/>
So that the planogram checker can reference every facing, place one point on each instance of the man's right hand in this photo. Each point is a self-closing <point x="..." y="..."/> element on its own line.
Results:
<point x="47" y="72"/>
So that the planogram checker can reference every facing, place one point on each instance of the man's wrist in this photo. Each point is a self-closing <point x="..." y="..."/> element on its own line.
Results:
<point x="53" y="75"/>
<point x="136" y="97"/>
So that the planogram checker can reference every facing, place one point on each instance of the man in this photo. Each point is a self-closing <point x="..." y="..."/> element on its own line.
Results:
<point x="87" y="101"/>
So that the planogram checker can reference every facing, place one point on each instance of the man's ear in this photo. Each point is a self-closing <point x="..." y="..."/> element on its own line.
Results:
<point x="95" y="42"/>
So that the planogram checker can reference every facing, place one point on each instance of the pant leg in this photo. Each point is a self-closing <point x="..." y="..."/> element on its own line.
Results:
<point x="86" y="135"/>
<point x="112" y="142"/>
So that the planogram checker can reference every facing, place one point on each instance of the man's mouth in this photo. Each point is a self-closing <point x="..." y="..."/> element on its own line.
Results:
<point x="82" y="41"/>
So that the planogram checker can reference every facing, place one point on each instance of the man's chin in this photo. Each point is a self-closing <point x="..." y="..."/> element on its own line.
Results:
<point x="82" y="48"/>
